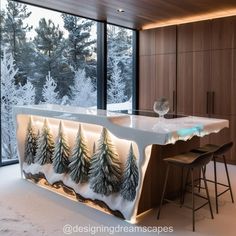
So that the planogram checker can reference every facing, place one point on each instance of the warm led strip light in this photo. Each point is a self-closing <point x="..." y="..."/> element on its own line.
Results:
<point x="201" y="17"/>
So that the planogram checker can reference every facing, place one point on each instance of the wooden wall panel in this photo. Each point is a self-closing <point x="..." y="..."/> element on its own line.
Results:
<point x="165" y="39"/>
<point x="147" y="82"/>
<point x="223" y="33"/>
<point x="165" y="78"/>
<point x="185" y="83"/>
<point x="233" y="86"/>
<point x="194" y="36"/>
<point x="221" y="79"/>
<point x="201" y="82"/>
<point x="147" y="42"/>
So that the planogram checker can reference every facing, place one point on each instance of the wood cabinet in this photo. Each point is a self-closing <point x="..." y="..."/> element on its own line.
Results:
<point x="147" y="84"/>
<point x="193" y="83"/>
<point x="194" y="66"/>
<point x="194" y="36"/>
<point x="157" y="67"/>
<point x="166" y="82"/>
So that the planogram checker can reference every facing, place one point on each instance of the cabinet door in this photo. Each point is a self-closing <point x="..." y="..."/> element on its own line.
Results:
<point x="166" y="78"/>
<point x="147" y="82"/>
<point x="194" y="36"/>
<point x="193" y="83"/>
<point x="221" y="82"/>
<point x="147" y="42"/>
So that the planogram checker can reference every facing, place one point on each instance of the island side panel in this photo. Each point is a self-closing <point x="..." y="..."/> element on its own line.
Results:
<point x="155" y="173"/>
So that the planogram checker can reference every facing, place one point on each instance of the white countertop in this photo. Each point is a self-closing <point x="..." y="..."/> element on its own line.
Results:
<point x="151" y="130"/>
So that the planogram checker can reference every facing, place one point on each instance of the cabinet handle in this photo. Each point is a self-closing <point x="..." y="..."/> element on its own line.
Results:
<point x="174" y="105"/>
<point x="207" y="102"/>
<point x="213" y="102"/>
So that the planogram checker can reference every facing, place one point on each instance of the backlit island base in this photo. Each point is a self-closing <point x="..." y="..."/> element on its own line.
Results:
<point x="125" y="170"/>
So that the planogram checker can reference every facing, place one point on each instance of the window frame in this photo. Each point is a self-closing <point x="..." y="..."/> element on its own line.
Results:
<point x="101" y="68"/>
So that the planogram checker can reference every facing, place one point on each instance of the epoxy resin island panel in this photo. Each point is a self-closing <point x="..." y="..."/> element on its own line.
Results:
<point x="95" y="156"/>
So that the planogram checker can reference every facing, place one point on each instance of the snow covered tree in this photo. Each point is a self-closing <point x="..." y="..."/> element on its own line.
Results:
<point x="119" y="44"/>
<point x="61" y="152"/>
<point x="105" y="170"/>
<point x="14" y="32"/>
<point x="49" y="90"/>
<point x="83" y="93"/>
<point x="130" y="177"/>
<point x="50" y="45"/>
<point x="30" y="143"/>
<point x="116" y="87"/>
<point x="8" y="94"/>
<point x="80" y="159"/>
<point x="11" y="95"/>
<point x="25" y="94"/>
<point x="45" y="145"/>
<point x="80" y="44"/>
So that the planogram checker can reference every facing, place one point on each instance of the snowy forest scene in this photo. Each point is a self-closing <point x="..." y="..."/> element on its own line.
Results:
<point x="51" y="57"/>
<point x="91" y="164"/>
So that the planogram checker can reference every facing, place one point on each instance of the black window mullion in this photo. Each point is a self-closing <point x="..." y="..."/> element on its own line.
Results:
<point x="135" y="74"/>
<point x="101" y="65"/>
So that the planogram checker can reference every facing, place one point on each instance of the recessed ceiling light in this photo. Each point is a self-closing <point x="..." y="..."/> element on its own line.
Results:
<point x="120" y="10"/>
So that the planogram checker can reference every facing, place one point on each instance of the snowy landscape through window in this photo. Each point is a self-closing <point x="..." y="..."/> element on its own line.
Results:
<point x="51" y="57"/>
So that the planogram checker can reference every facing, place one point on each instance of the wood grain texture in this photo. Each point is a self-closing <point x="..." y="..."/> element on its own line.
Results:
<point x="193" y="83"/>
<point x="147" y="42"/>
<point x="165" y="78"/>
<point x="147" y="83"/>
<point x="155" y="174"/>
<point x="165" y="39"/>
<point x="223" y="33"/>
<point x="194" y="36"/>
<point x="221" y="82"/>
<point x="137" y="13"/>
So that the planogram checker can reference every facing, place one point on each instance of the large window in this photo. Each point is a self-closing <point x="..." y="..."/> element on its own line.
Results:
<point x="119" y="68"/>
<point x="51" y="57"/>
<point x="46" y="57"/>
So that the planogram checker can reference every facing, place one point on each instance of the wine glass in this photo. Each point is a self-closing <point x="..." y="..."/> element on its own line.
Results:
<point x="161" y="107"/>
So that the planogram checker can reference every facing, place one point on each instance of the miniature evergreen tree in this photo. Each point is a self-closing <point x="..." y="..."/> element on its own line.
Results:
<point x="80" y="159"/>
<point x="61" y="152"/>
<point x="130" y="177"/>
<point x="105" y="171"/>
<point x="45" y="145"/>
<point x="30" y="143"/>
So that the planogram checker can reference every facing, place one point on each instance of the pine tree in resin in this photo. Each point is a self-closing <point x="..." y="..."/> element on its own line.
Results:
<point x="61" y="152"/>
<point x="130" y="177"/>
<point x="80" y="159"/>
<point x="105" y="170"/>
<point x="30" y="143"/>
<point x="45" y="145"/>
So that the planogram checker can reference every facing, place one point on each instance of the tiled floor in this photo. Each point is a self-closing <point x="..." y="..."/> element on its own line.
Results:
<point x="26" y="209"/>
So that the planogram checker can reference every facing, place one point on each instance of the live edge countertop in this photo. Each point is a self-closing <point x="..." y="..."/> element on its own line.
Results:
<point x="144" y="129"/>
<point x="140" y="131"/>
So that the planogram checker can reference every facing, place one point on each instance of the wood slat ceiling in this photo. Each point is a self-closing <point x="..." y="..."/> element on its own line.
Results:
<point x="142" y="14"/>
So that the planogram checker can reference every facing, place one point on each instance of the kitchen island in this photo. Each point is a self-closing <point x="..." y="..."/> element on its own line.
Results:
<point x="122" y="153"/>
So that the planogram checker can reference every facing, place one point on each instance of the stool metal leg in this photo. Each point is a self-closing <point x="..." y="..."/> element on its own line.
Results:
<point x="227" y="173"/>
<point x="207" y="192"/>
<point x="163" y="192"/>
<point x="182" y="187"/>
<point x="199" y="181"/>
<point x="215" y="182"/>
<point x="185" y="186"/>
<point x="193" y="203"/>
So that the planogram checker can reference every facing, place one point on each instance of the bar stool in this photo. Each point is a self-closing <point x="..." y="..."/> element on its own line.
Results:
<point x="218" y="152"/>
<point x="190" y="161"/>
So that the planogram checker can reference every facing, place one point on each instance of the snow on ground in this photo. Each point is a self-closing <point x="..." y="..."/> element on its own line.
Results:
<point x="114" y="201"/>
